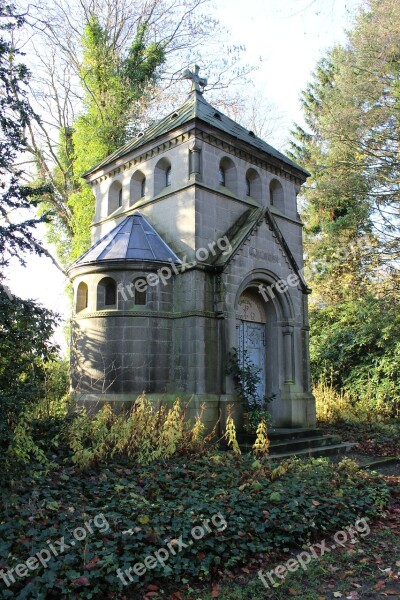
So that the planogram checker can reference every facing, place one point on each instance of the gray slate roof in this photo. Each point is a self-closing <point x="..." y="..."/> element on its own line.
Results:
<point x="134" y="239"/>
<point x="196" y="107"/>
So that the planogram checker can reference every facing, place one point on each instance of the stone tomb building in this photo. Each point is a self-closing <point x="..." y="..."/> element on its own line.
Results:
<point x="197" y="249"/>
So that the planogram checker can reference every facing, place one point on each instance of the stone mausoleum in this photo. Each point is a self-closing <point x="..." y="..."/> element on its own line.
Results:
<point x="197" y="249"/>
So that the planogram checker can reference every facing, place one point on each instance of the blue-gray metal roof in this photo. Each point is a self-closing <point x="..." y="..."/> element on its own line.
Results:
<point x="134" y="239"/>
<point x="196" y="107"/>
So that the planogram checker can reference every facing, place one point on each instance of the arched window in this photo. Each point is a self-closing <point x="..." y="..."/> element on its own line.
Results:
<point x="110" y="293"/>
<point x="114" y="196"/>
<point x="276" y="197"/>
<point x="137" y="187"/>
<point x="253" y="184"/>
<point x="140" y="286"/>
<point x="248" y="187"/>
<point x="107" y="293"/>
<point x="82" y="296"/>
<point x="227" y="174"/>
<point x="162" y="175"/>
<point x="168" y="176"/>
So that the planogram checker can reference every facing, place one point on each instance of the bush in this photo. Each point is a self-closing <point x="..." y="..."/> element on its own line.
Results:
<point x="356" y="347"/>
<point x="26" y="348"/>
<point x="144" y="434"/>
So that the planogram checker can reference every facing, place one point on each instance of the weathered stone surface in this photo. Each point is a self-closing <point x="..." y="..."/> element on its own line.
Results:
<point x="177" y="343"/>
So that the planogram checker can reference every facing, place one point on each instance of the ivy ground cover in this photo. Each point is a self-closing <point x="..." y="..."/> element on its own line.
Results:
<point x="209" y="514"/>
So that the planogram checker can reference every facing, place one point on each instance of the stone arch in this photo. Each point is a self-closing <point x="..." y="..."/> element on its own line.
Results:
<point x="106" y="293"/>
<point x="228" y="174"/>
<point x="137" y="187"/>
<point x="82" y="297"/>
<point x="114" y="197"/>
<point x="140" y="286"/>
<point x="162" y="175"/>
<point x="276" y="195"/>
<point x="277" y="310"/>
<point x="253" y="184"/>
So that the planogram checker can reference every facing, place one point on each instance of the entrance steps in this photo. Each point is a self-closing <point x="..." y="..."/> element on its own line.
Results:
<point x="297" y="442"/>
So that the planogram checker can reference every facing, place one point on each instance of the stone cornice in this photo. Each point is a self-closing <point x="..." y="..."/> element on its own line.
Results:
<point x="145" y="313"/>
<point x="241" y="150"/>
<point x="193" y="133"/>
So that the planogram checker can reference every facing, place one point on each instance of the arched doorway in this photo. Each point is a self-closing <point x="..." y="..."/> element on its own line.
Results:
<point x="251" y="339"/>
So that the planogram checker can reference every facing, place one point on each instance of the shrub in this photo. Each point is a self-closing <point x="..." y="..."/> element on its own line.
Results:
<point x="144" y="434"/>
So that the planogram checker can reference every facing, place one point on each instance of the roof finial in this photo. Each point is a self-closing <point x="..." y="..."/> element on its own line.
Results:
<point x="198" y="83"/>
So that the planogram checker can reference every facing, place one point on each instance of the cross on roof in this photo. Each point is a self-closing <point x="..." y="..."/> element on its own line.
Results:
<point x="197" y="81"/>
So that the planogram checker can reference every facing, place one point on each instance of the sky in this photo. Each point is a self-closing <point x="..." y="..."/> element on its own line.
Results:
<point x="285" y="38"/>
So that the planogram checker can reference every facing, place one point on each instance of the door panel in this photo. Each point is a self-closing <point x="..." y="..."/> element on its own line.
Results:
<point x="252" y="339"/>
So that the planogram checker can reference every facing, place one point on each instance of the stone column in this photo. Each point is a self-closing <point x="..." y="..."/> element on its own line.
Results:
<point x="287" y="331"/>
<point x="195" y="162"/>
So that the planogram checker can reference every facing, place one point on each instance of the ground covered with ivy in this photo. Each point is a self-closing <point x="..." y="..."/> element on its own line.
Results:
<point x="247" y="509"/>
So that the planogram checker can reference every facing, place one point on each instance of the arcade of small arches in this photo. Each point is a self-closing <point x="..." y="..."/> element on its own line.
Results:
<point x="162" y="177"/>
<point x="107" y="294"/>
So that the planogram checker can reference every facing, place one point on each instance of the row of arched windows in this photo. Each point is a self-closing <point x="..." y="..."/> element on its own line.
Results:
<point x="252" y="183"/>
<point x="107" y="294"/>
<point x="138" y="186"/>
<point x="162" y="179"/>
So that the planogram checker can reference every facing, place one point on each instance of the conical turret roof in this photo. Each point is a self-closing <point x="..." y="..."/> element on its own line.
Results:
<point x="134" y="239"/>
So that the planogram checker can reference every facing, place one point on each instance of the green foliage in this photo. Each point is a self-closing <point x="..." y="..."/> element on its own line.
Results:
<point x="25" y="352"/>
<point x="356" y="347"/>
<point x="255" y="416"/>
<point x="114" y="85"/>
<point x="246" y="377"/>
<point x="147" y="504"/>
<point x="144" y="434"/>
<point x="350" y="146"/>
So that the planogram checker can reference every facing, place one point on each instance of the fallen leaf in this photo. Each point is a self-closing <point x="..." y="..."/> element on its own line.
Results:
<point x="92" y="563"/>
<point x="293" y="591"/>
<point x="153" y="588"/>
<point x="215" y="591"/>
<point x="337" y="594"/>
<point x="82" y="580"/>
<point x="380" y="585"/>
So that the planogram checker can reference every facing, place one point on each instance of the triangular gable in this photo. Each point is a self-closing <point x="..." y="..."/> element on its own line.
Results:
<point x="244" y="227"/>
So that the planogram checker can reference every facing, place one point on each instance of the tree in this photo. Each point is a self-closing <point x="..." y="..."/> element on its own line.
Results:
<point x="102" y="67"/>
<point x="16" y="227"/>
<point x="113" y="85"/>
<point x="351" y="205"/>
<point x="351" y="147"/>
<point x="25" y="348"/>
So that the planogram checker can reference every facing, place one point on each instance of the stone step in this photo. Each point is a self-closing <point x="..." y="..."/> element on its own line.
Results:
<point x="281" y="434"/>
<point x="278" y="447"/>
<point x="304" y="444"/>
<point x="333" y="450"/>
